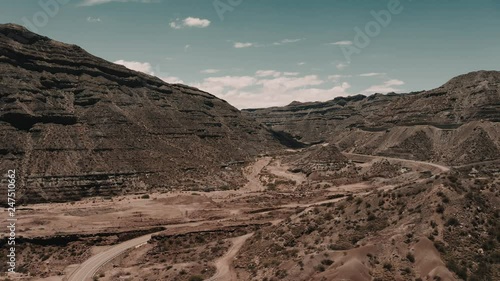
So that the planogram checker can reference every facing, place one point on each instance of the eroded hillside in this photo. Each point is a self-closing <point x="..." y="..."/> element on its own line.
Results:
<point x="457" y="123"/>
<point x="74" y="125"/>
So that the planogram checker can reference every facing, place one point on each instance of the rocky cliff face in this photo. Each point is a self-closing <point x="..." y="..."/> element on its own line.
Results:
<point x="75" y="125"/>
<point x="457" y="123"/>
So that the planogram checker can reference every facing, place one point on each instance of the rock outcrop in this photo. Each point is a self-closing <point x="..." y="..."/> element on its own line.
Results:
<point x="75" y="125"/>
<point x="322" y="158"/>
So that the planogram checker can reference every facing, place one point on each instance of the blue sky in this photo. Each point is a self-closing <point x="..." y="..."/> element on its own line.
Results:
<point x="259" y="53"/>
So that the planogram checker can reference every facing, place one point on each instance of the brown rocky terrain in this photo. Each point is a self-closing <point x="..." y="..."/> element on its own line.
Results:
<point x="456" y="123"/>
<point x="75" y="125"/>
<point x="439" y="228"/>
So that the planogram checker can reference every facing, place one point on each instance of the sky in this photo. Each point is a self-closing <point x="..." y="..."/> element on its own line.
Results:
<point x="261" y="53"/>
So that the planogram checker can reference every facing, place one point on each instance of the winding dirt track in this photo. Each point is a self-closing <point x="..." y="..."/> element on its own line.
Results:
<point x="252" y="175"/>
<point x="282" y="171"/>
<point x="442" y="168"/>
<point x="224" y="270"/>
<point x="89" y="268"/>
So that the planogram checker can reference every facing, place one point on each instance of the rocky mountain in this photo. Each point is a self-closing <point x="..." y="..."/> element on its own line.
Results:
<point x="318" y="159"/>
<point x="457" y="123"/>
<point x="75" y="125"/>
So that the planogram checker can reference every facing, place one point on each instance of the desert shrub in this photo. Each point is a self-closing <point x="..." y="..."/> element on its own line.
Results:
<point x="281" y="273"/>
<point x="406" y="270"/>
<point x="460" y="271"/>
<point x="320" y="268"/>
<point x="359" y="201"/>
<point x="387" y="266"/>
<point x="440" y="209"/>
<point x="371" y="217"/>
<point x="327" y="262"/>
<point x="439" y="246"/>
<point x="452" y="222"/>
<point x="335" y="196"/>
<point x="452" y="178"/>
<point x="410" y="257"/>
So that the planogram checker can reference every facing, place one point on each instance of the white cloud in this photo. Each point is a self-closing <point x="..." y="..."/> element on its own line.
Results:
<point x="196" y="22"/>
<point x="86" y="3"/>
<point x="372" y="74"/>
<point x="187" y="47"/>
<point x="265" y="98"/>
<point x="239" y="45"/>
<point x="395" y="82"/>
<point x="234" y="82"/>
<point x="189" y="22"/>
<point x="386" y="87"/>
<point x="301" y="63"/>
<point x="266" y="73"/>
<point x="288" y="83"/>
<point x="342" y="65"/>
<point x="341" y="43"/>
<point x="175" y="25"/>
<point x="210" y="71"/>
<point x="92" y="19"/>
<point x="268" y="88"/>
<point x="172" y="80"/>
<point x="287" y="41"/>
<point x="144" y="67"/>
<point x="337" y="77"/>
<point x="265" y="88"/>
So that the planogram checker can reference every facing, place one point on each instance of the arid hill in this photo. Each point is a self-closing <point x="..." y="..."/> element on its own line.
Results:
<point x="75" y="125"/>
<point x="456" y="123"/>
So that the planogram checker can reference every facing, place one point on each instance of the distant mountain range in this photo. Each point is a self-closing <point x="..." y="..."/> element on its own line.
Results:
<point x="457" y="123"/>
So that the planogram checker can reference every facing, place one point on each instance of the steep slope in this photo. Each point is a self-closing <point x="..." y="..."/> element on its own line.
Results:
<point x="75" y="125"/>
<point x="440" y="125"/>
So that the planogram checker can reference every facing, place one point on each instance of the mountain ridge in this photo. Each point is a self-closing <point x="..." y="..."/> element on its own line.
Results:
<point x="369" y="124"/>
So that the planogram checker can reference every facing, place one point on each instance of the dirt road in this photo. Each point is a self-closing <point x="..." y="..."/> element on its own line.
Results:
<point x="441" y="168"/>
<point x="252" y="175"/>
<point x="87" y="269"/>
<point x="224" y="271"/>
<point x="282" y="171"/>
